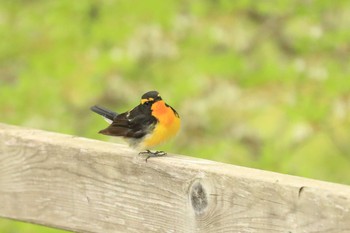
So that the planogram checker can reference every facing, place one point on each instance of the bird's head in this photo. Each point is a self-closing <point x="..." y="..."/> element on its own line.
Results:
<point x="150" y="97"/>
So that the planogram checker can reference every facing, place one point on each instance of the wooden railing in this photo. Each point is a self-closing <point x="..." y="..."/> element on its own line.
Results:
<point x="86" y="185"/>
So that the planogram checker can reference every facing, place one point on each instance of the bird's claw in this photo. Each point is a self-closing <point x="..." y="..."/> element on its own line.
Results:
<point x="152" y="154"/>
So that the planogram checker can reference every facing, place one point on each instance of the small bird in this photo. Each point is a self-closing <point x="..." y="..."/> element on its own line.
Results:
<point x="147" y="125"/>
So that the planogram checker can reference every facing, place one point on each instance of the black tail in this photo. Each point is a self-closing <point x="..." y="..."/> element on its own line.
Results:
<point x="104" y="112"/>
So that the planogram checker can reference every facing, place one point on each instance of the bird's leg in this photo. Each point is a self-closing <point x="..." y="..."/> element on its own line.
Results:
<point x="155" y="154"/>
<point x="152" y="154"/>
<point x="145" y="152"/>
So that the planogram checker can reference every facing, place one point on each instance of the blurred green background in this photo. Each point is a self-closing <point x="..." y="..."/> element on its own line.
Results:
<point x="258" y="84"/>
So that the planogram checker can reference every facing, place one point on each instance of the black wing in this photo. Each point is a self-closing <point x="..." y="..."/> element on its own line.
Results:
<point x="133" y="124"/>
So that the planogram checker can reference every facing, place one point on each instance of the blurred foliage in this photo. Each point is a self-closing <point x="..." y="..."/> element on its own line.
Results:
<point x="258" y="84"/>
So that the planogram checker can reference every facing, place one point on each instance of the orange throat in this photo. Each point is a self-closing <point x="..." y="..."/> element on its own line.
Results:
<point x="167" y="127"/>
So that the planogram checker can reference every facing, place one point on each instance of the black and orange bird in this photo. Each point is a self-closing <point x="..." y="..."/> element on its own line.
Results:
<point x="149" y="124"/>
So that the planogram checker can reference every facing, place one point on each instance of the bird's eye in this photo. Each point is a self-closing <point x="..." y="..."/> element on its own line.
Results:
<point x="146" y="103"/>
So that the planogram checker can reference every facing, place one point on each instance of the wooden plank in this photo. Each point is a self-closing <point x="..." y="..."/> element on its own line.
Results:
<point x="92" y="186"/>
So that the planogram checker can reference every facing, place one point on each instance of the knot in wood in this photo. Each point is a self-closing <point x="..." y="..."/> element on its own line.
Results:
<point x="199" y="199"/>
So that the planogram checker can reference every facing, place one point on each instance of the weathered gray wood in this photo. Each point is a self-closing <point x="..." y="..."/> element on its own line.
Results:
<point x="91" y="186"/>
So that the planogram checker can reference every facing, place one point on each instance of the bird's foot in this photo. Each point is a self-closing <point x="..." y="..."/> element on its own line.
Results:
<point x="152" y="154"/>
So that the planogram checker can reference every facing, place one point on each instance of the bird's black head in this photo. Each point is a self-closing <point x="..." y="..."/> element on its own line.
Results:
<point x="150" y="97"/>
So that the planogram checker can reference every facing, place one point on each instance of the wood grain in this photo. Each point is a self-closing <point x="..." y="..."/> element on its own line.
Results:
<point x="92" y="186"/>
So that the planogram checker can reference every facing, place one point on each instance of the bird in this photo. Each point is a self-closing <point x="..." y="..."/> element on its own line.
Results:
<point x="149" y="124"/>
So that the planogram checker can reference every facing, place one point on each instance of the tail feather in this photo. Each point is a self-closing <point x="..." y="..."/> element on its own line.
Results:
<point x="106" y="113"/>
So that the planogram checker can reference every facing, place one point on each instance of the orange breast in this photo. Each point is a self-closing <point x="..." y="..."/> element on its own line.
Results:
<point x="168" y="125"/>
